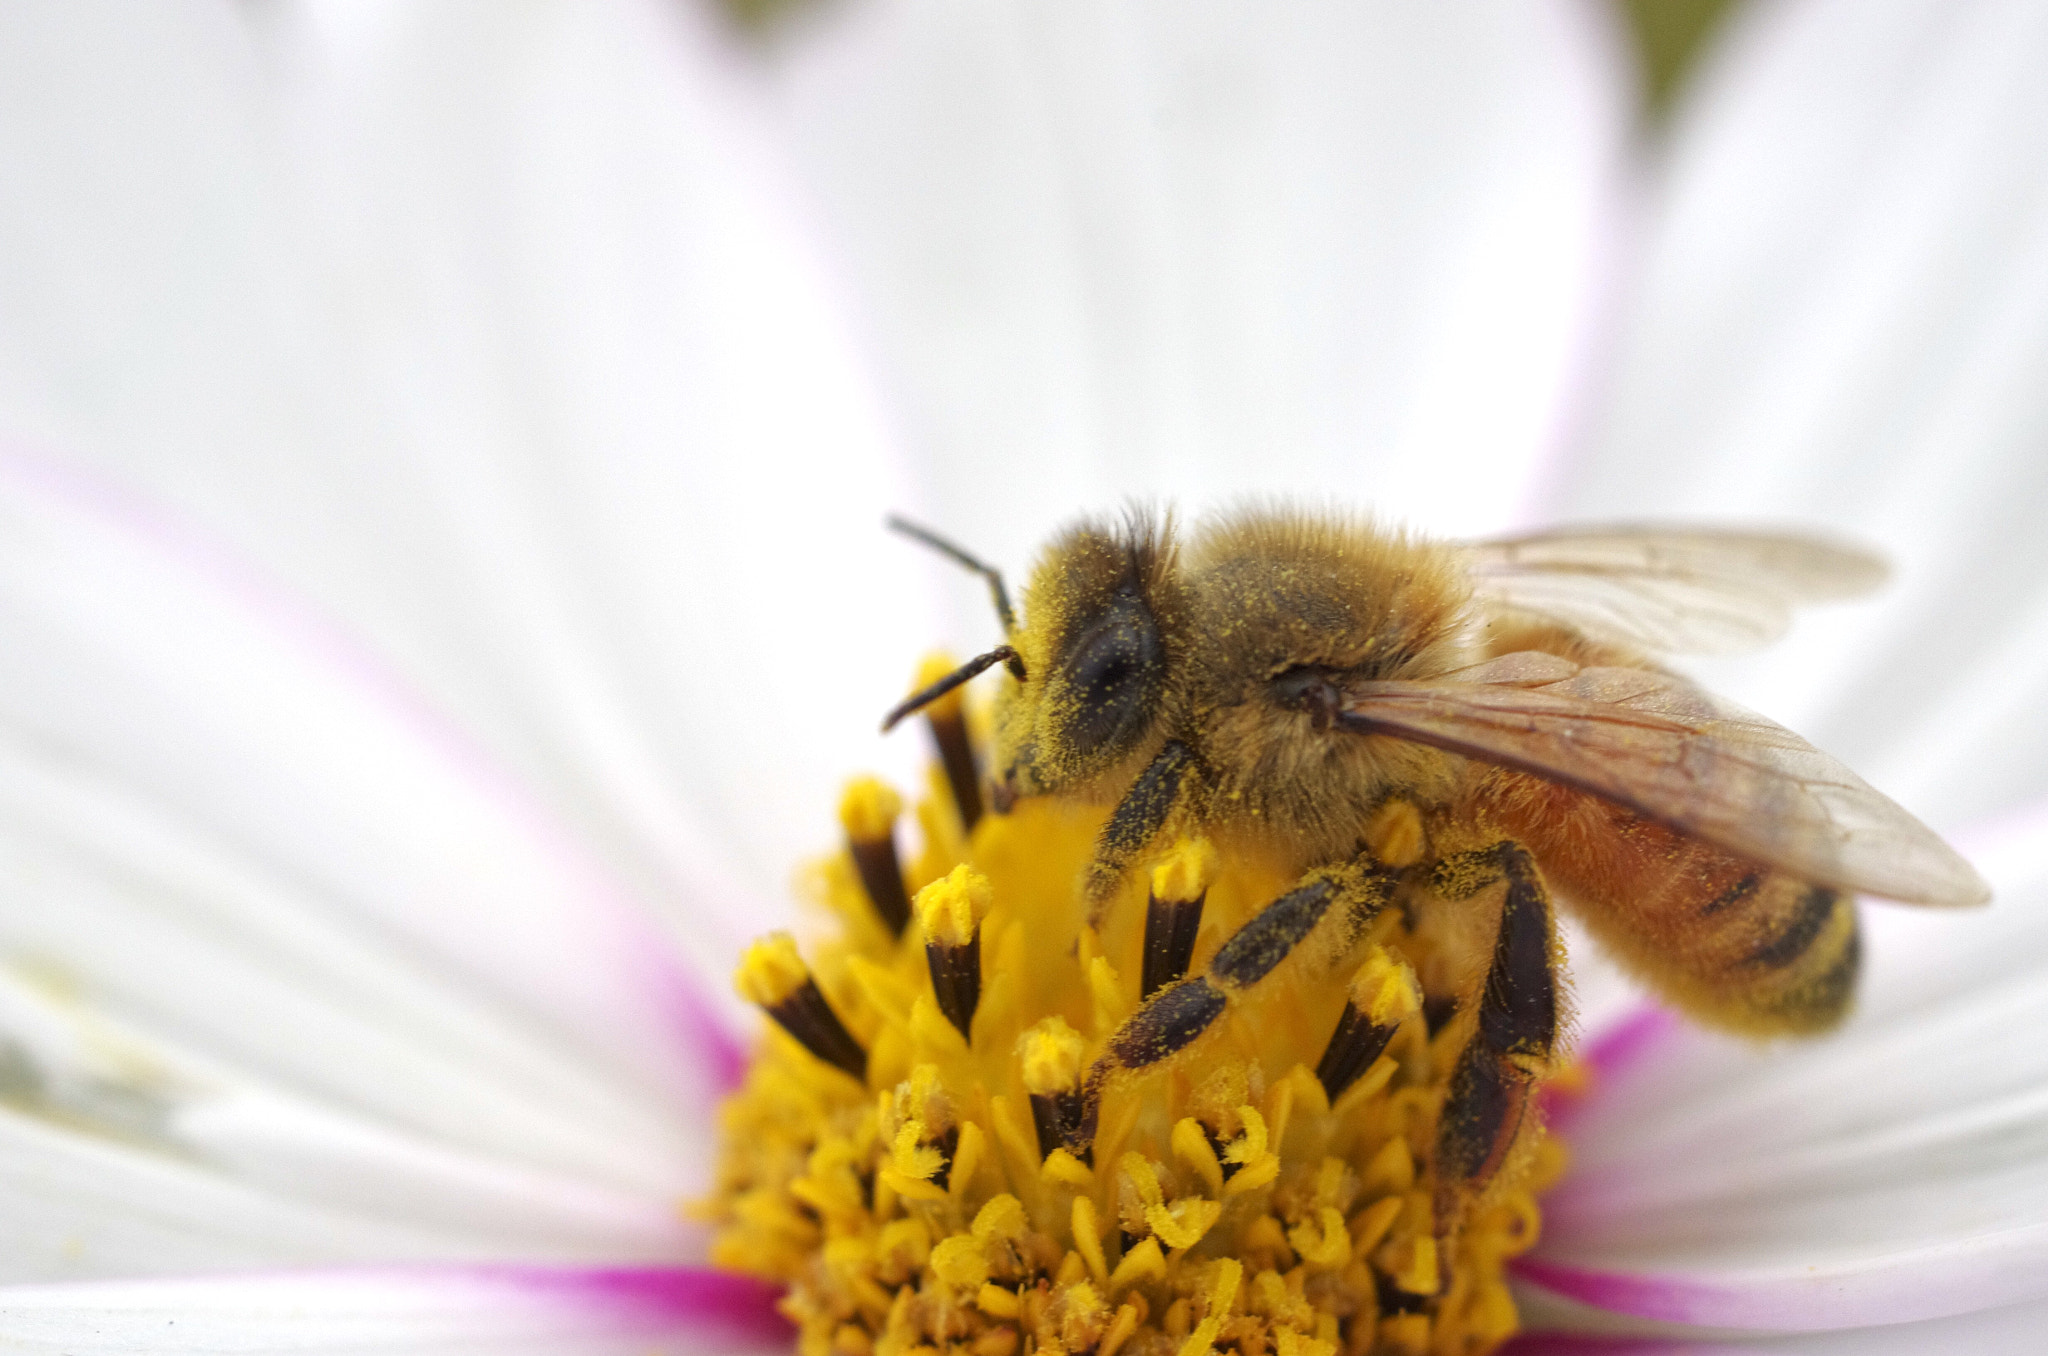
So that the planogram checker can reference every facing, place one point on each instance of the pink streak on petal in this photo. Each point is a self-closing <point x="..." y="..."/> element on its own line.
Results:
<point x="718" y="1302"/>
<point x="1586" y="1344"/>
<point x="1629" y="1041"/>
<point x="724" y="1310"/>
<point x="1657" y="1297"/>
<point x="678" y="993"/>
<point x="724" y="1053"/>
<point x="1611" y="1055"/>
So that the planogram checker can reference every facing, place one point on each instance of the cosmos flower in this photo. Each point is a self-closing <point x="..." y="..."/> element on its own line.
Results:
<point x="441" y="589"/>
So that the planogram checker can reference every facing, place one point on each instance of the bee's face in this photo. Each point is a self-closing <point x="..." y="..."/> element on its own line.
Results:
<point x="1097" y="642"/>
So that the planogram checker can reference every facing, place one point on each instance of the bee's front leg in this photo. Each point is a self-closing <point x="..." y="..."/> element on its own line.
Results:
<point x="1160" y="791"/>
<point x="1516" y="1033"/>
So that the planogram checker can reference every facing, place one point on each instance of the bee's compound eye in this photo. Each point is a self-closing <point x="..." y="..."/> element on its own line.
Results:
<point x="1113" y="673"/>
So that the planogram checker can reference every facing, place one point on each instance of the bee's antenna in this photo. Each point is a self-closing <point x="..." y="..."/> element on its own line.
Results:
<point x="923" y="697"/>
<point x="898" y="523"/>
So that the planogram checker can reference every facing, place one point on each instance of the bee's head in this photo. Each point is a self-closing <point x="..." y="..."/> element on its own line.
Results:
<point x="1102" y="627"/>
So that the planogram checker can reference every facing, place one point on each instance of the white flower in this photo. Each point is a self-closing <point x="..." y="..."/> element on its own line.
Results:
<point x="440" y="585"/>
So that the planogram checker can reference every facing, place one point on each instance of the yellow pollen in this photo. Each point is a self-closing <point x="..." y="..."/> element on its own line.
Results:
<point x="1050" y="1056"/>
<point x="1062" y="1167"/>
<point x="771" y="970"/>
<point x="1385" y="990"/>
<point x="1394" y="833"/>
<point x="868" y="809"/>
<point x="1214" y="1199"/>
<point x="930" y="669"/>
<point x="1191" y="1145"/>
<point x="952" y="907"/>
<point x="1185" y="872"/>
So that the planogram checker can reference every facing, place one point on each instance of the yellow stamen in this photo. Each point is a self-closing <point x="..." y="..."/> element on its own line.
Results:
<point x="1051" y="1055"/>
<point x="1127" y="1319"/>
<point x="1394" y="833"/>
<point x="868" y="809"/>
<point x="1191" y="1146"/>
<point x="771" y="970"/>
<point x="1186" y="871"/>
<point x="1088" y="1238"/>
<point x="967" y="1186"/>
<point x="1067" y="1170"/>
<point x="1384" y="990"/>
<point x="1142" y="1263"/>
<point x="958" y="769"/>
<point x="1182" y="1223"/>
<point x="931" y="669"/>
<point x="952" y="907"/>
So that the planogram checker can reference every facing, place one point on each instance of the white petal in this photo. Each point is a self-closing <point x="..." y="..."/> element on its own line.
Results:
<point x="259" y="914"/>
<point x="80" y="1205"/>
<point x="1843" y="320"/>
<point x="1603" y="997"/>
<point x="1897" y="1170"/>
<point x="131" y="1154"/>
<point x="1191" y="251"/>
<point x="487" y="329"/>
<point x="518" y="1311"/>
<point x="144" y="1171"/>
<point x="2011" y="1331"/>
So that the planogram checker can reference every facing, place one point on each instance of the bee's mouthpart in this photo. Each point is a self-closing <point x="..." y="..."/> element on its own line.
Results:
<point x="1002" y="796"/>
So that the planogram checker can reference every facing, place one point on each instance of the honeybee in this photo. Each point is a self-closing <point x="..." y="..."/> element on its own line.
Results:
<point x="1401" y="719"/>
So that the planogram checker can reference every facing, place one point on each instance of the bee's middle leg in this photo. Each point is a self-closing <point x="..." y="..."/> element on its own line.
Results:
<point x="1177" y="1015"/>
<point x="1516" y="1033"/>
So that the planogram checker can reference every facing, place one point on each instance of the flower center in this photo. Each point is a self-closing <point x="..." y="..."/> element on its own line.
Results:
<point x="945" y="1146"/>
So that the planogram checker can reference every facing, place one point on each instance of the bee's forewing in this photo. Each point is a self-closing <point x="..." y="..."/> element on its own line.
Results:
<point x="1674" y="590"/>
<point x="1670" y="751"/>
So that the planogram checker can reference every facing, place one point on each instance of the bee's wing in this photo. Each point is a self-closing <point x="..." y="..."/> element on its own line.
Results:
<point x="1672" y="752"/>
<point x="1674" y="590"/>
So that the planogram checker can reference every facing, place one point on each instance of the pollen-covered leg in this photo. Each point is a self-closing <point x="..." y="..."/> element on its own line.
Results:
<point x="1516" y="1032"/>
<point x="1160" y="789"/>
<point x="1348" y="896"/>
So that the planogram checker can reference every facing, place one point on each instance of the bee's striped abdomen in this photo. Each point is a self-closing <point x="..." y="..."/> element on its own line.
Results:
<point x="1802" y="967"/>
<point x="1731" y="941"/>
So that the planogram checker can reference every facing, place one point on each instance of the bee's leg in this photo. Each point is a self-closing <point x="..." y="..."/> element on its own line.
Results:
<point x="1516" y="1033"/>
<point x="1178" y="1014"/>
<point x="1164" y="786"/>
